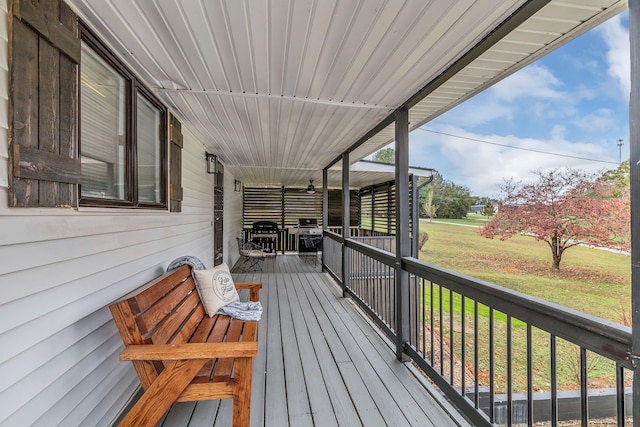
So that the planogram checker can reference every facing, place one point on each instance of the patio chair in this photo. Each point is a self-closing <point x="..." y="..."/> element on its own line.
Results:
<point x="252" y="256"/>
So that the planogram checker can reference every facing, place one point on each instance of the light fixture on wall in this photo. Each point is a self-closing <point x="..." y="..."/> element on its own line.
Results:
<point x="237" y="185"/>
<point x="212" y="163"/>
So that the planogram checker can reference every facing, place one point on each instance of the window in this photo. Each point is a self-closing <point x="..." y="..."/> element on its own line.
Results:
<point x="122" y="134"/>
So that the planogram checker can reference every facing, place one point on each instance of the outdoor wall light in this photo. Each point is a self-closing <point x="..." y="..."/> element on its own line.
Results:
<point x="237" y="185"/>
<point x="212" y="163"/>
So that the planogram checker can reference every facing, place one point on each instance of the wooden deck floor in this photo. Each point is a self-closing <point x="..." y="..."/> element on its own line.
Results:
<point x="320" y="363"/>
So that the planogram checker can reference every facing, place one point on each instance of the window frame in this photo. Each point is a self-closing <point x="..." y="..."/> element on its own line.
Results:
<point x="134" y="87"/>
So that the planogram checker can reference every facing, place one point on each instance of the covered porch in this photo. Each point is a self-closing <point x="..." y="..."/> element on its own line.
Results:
<point x="282" y="93"/>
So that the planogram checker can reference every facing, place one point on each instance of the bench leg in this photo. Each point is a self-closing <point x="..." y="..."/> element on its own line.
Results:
<point x="242" y="397"/>
<point x="155" y="401"/>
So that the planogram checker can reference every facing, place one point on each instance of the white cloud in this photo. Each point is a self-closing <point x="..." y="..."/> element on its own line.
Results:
<point x="601" y="119"/>
<point x="483" y="167"/>
<point x="468" y="114"/>
<point x="533" y="89"/>
<point x="616" y="37"/>
<point x="533" y="81"/>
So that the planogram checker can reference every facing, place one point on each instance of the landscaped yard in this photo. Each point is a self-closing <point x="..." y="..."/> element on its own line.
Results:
<point x="591" y="280"/>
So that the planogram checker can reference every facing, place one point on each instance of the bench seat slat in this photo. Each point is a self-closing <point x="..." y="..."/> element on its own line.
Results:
<point x="217" y="335"/>
<point x="222" y="370"/>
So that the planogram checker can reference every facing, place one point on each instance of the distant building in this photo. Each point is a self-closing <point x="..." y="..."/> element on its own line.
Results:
<point x="476" y="209"/>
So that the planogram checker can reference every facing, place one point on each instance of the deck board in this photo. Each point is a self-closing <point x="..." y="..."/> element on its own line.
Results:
<point x="320" y="363"/>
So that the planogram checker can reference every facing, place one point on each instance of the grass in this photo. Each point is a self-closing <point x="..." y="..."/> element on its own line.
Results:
<point x="590" y="280"/>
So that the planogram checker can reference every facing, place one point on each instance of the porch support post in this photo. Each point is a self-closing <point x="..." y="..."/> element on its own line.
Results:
<point x="325" y="207"/>
<point x="403" y="245"/>
<point x="634" y="160"/>
<point x="346" y="222"/>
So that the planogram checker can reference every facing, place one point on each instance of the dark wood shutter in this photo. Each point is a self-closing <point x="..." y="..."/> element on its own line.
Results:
<point x="44" y="169"/>
<point x="175" y="164"/>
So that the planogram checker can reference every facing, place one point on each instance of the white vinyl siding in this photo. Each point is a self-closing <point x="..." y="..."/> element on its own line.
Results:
<point x="60" y="270"/>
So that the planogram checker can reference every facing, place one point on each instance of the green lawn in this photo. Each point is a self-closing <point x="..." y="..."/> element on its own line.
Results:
<point x="590" y="280"/>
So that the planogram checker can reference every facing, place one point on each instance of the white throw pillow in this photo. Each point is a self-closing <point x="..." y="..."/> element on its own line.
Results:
<point x="216" y="288"/>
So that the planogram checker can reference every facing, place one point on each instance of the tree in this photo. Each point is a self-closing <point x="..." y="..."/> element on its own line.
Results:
<point x="564" y="208"/>
<point x="428" y="208"/>
<point x="444" y="199"/>
<point x="386" y="155"/>
<point x="453" y="200"/>
<point x="488" y="209"/>
<point x="619" y="179"/>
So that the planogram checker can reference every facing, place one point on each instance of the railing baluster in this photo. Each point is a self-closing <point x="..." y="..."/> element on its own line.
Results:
<point x="476" y="357"/>
<point x="620" y="404"/>
<point x="529" y="377"/>
<point x="433" y="325"/>
<point x="584" y="388"/>
<point x="463" y="343"/>
<point x="392" y="290"/>
<point x="379" y="294"/>
<point x="441" y="331"/>
<point x="366" y="283"/>
<point x="492" y="389"/>
<point x="416" y="310"/>
<point x="424" y="318"/>
<point x="509" y="374"/>
<point x="452" y="348"/>
<point x="375" y="297"/>
<point x="554" y="382"/>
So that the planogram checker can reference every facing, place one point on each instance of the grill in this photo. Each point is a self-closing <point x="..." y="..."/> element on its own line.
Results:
<point x="265" y="233"/>
<point x="309" y="236"/>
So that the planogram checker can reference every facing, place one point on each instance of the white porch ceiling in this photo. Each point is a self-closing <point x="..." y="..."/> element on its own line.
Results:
<point x="280" y="88"/>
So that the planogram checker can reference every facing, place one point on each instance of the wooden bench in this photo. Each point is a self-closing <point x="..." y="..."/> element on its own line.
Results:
<point x="180" y="353"/>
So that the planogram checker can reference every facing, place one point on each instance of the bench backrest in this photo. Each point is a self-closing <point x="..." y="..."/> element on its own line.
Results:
<point x="166" y="310"/>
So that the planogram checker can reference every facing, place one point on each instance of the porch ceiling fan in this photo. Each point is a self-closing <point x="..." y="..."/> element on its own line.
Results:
<point x="311" y="188"/>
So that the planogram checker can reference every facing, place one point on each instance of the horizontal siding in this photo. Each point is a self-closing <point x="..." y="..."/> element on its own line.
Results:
<point x="60" y="270"/>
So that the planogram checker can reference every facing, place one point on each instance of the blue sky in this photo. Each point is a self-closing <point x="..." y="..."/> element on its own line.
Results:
<point x="574" y="101"/>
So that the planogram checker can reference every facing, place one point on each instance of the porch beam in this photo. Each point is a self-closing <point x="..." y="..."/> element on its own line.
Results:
<point x="524" y="12"/>
<point x="634" y="163"/>
<point x="346" y="222"/>
<point x="403" y="247"/>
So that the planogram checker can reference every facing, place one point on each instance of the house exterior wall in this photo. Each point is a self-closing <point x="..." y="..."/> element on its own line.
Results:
<point x="59" y="271"/>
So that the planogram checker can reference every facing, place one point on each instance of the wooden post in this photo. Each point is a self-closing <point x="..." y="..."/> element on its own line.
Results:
<point x="403" y="246"/>
<point x="634" y="164"/>
<point x="346" y="222"/>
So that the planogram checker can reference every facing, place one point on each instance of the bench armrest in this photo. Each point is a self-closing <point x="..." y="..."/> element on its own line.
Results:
<point x="190" y="351"/>
<point x="254" y="289"/>
<point x="249" y="285"/>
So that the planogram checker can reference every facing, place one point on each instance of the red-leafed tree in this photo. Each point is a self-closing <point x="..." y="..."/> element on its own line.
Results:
<point x="564" y="208"/>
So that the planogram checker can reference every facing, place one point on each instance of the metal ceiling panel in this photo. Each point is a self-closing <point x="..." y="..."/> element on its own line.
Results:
<point x="280" y="88"/>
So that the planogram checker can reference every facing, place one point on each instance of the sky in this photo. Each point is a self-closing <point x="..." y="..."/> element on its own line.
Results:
<point x="574" y="101"/>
